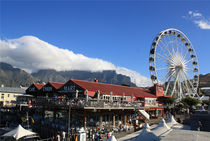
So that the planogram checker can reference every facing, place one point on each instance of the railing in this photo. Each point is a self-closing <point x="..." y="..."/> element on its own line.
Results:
<point x="81" y="103"/>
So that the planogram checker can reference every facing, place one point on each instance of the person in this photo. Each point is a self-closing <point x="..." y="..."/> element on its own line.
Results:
<point x="63" y="135"/>
<point x="108" y="136"/>
<point x="188" y="111"/>
<point x="58" y="137"/>
<point x="202" y="107"/>
<point x="96" y="137"/>
<point x="199" y="125"/>
<point x="100" y="137"/>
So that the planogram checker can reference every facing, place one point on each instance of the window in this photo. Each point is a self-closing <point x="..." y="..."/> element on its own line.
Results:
<point x="8" y="95"/>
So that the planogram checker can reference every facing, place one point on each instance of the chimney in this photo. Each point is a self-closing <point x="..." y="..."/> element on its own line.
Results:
<point x="96" y="80"/>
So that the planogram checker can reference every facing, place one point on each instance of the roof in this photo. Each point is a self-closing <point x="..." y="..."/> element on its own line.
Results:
<point x="12" y="90"/>
<point x="38" y="85"/>
<point x="115" y="89"/>
<point x="56" y="85"/>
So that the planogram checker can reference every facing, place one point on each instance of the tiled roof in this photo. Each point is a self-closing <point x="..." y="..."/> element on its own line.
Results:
<point x="115" y="89"/>
<point x="12" y="90"/>
<point x="56" y="85"/>
<point x="38" y="85"/>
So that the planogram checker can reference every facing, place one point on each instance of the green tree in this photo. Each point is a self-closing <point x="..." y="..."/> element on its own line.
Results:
<point x="189" y="102"/>
<point x="205" y="102"/>
<point x="168" y="100"/>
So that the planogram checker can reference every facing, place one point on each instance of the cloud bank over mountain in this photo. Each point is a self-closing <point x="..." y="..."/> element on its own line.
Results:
<point x="32" y="54"/>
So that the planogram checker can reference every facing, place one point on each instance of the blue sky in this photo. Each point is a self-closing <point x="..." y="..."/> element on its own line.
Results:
<point x="120" y="32"/>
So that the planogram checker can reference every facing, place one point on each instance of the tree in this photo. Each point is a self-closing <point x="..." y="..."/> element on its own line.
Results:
<point x="168" y="100"/>
<point x="189" y="101"/>
<point x="205" y="102"/>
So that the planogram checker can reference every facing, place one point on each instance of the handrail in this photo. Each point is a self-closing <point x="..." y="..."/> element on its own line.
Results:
<point x="82" y="103"/>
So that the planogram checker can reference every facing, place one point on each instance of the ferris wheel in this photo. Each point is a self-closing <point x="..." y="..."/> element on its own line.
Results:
<point x="173" y="64"/>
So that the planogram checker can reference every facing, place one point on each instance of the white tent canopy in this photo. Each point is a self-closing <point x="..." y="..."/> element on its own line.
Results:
<point x="147" y="126"/>
<point x="146" y="135"/>
<point x="19" y="132"/>
<point x="161" y="128"/>
<point x="112" y="138"/>
<point x="145" y="114"/>
<point x="171" y="121"/>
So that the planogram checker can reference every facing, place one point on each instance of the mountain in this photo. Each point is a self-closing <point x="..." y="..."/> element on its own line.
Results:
<point x="205" y="80"/>
<point x="14" y="77"/>
<point x="110" y="77"/>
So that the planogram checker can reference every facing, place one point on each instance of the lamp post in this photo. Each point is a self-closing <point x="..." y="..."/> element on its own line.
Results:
<point x="69" y="120"/>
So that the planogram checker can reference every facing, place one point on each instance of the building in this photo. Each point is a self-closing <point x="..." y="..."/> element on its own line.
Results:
<point x="8" y="95"/>
<point x="79" y="103"/>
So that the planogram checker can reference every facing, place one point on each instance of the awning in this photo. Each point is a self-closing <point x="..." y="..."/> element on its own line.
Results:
<point x="144" y="114"/>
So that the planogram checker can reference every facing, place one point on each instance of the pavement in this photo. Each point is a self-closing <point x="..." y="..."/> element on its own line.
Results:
<point x="176" y="134"/>
<point x="187" y="135"/>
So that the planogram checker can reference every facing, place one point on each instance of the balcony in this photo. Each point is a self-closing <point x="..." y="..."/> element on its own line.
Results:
<point x="90" y="104"/>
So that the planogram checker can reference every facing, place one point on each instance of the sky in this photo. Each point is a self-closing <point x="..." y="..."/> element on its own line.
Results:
<point x="97" y="35"/>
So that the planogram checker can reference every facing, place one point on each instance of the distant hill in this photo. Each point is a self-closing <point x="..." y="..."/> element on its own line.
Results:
<point x="14" y="77"/>
<point x="110" y="77"/>
<point x="205" y="80"/>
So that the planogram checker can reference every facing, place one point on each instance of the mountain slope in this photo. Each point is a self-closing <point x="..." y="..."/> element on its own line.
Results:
<point x="110" y="77"/>
<point x="14" y="77"/>
<point x="205" y="80"/>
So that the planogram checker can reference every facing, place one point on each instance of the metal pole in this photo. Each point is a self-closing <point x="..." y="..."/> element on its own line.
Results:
<point x="69" y="120"/>
<point x="0" y="115"/>
<point x="27" y="119"/>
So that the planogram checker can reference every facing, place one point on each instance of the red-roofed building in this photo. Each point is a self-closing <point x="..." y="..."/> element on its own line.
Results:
<point x="100" y="101"/>
<point x="34" y="88"/>
<point x="104" y="89"/>
<point x="50" y="89"/>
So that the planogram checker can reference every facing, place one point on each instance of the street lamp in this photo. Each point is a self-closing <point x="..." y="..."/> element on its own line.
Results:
<point x="69" y="119"/>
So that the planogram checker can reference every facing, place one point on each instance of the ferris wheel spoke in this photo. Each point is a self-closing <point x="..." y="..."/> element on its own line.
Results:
<point x="166" y="47"/>
<point x="179" y="89"/>
<point x="188" y="69"/>
<point x="165" y="53"/>
<point x="188" y="61"/>
<point x="162" y="69"/>
<point x="168" y="82"/>
<point x="189" y="81"/>
<point x="185" y="82"/>
<point x="162" y="58"/>
<point x="175" y="84"/>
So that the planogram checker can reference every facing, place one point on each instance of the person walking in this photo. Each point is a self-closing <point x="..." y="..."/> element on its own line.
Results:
<point x="58" y="137"/>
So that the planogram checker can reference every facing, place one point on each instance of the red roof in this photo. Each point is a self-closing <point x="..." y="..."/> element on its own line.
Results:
<point x="115" y="89"/>
<point x="38" y="85"/>
<point x="56" y="85"/>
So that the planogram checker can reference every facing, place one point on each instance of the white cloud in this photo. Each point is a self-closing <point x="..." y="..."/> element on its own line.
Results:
<point x="203" y="24"/>
<point x="200" y="20"/>
<point x="32" y="54"/>
<point x="194" y="14"/>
